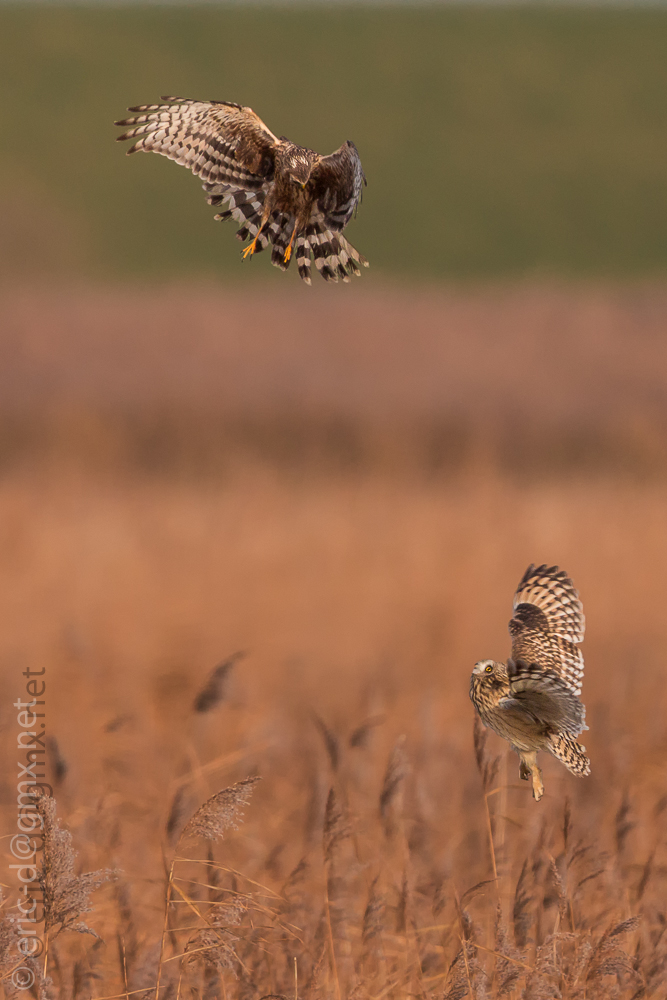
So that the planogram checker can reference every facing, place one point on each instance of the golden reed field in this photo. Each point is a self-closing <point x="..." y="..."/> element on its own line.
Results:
<point x="254" y="535"/>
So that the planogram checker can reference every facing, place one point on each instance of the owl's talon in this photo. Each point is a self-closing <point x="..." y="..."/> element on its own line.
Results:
<point x="538" y="787"/>
<point x="528" y="769"/>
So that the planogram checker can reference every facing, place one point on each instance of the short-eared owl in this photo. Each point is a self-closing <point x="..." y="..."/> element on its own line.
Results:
<point x="279" y="192"/>
<point x="533" y="701"/>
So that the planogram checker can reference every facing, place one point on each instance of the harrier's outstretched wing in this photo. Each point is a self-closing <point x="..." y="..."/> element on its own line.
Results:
<point x="338" y="180"/>
<point x="547" y="625"/>
<point x="220" y="142"/>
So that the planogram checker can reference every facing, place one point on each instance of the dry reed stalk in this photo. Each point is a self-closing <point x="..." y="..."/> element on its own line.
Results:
<point x="314" y="986"/>
<point x="464" y="952"/>
<point x="508" y="961"/>
<point x="165" y="926"/>
<point x="372" y="957"/>
<point x="567" y="822"/>
<point x="9" y="950"/>
<point x="459" y="979"/>
<point x="58" y="766"/>
<point x="121" y="951"/>
<point x="85" y="972"/>
<point x="391" y="795"/>
<point x="294" y="907"/>
<point x="222" y="812"/>
<point x="293" y="887"/>
<point x="624" y="824"/>
<point x="336" y="831"/>
<point x="176" y="820"/>
<point x="65" y="896"/>
<point x="521" y="915"/>
<point x="214" y="690"/>
<point x="645" y="878"/>
<point x="330" y="740"/>
<point x="502" y="818"/>
<point x="561" y="891"/>
<point x="127" y="930"/>
<point x="608" y="958"/>
<point x="488" y="769"/>
<point x="336" y="828"/>
<point x="360" y="737"/>
<point x="214" y="940"/>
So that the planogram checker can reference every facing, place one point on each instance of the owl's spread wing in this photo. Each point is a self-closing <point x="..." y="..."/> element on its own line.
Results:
<point x="548" y="623"/>
<point x="338" y="180"/>
<point x="220" y="142"/>
<point x="544" y="695"/>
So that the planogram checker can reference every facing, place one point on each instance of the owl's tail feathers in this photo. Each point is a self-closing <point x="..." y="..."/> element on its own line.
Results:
<point x="570" y="753"/>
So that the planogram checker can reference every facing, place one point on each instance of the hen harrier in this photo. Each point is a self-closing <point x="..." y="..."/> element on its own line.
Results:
<point x="534" y="701"/>
<point x="279" y="192"/>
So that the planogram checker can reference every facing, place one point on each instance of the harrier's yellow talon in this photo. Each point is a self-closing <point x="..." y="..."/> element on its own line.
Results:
<point x="249" y="249"/>
<point x="288" y="251"/>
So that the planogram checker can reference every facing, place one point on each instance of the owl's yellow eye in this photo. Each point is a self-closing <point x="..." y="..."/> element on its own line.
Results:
<point x="488" y="669"/>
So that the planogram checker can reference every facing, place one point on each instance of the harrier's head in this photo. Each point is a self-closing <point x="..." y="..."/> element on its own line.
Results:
<point x="299" y="168"/>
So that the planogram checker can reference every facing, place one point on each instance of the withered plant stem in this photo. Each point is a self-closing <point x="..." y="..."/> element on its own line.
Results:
<point x="164" y="928"/>
<point x="465" y="959"/>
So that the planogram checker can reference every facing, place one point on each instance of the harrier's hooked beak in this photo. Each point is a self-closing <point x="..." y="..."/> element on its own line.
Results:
<point x="300" y="172"/>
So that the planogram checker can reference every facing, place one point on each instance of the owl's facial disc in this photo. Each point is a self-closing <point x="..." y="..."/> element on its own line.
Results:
<point x="484" y="668"/>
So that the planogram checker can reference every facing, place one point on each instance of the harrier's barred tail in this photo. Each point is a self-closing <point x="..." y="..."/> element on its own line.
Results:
<point x="334" y="257"/>
<point x="303" y="259"/>
<point x="280" y="230"/>
<point x="570" y="753"/>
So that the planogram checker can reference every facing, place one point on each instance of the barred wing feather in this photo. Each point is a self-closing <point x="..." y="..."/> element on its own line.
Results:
<point x="338" y="180"/>
<point x="545" y="696"/>
<point x="220" y="142"/>
<point x="548" y="624"/>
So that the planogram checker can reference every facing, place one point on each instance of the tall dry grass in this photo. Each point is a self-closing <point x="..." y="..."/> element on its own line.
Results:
<point x="383" y="854"/>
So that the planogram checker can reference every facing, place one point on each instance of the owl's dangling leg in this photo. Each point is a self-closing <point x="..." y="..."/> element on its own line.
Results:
<point x="528" y="769"/>
<point x="250" y="250"/>
<point x="538" y="785"/>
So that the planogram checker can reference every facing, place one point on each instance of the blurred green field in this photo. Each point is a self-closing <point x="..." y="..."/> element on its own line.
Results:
<point x="506" y="142"/>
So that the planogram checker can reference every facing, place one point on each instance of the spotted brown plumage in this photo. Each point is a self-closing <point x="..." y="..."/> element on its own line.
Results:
<point x="280" y="193"/>
<point x="533" y="700"/>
